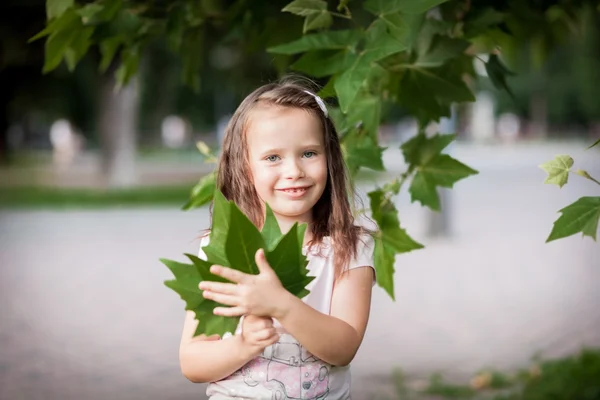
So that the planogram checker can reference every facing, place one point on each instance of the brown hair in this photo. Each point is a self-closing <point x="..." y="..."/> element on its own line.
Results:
<point x="332" y="214"/>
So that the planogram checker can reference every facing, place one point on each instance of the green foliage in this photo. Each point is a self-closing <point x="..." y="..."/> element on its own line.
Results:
<point x="234" y="241"/>
<point x="498" y="72"/>
<point x="570" y="378"/>
<point x="596" y="143"/>
<point x="315" y="12"/>
<point x="581" y="216"/>
<point x="392" y="239"/>
<point x="433" y="169"/>
<point x="374" y="55"/>
<point x="558" y="170"/>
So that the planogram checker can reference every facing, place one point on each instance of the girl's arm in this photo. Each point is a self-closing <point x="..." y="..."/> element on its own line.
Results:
<point x="209" y="359"/>
<point x="333" y="338"/>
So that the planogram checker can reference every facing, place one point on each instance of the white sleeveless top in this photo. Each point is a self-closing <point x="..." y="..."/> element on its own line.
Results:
<point x="286" y="370"/>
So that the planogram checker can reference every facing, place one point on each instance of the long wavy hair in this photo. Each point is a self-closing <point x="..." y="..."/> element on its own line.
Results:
<point x="332" y="214"/>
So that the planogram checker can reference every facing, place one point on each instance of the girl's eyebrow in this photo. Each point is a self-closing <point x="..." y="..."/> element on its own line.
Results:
<point x="280" y="150"/>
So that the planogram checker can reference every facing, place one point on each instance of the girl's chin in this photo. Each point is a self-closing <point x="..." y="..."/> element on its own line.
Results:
<point x="291" y="213"/>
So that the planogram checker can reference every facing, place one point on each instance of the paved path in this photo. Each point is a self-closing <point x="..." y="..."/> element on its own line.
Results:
<point x="84" y="313"/>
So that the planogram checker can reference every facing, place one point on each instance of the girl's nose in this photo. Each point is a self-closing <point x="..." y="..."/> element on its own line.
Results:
<point x="293" y="170"/>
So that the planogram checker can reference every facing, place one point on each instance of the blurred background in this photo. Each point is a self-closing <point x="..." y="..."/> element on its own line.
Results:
<point x="85" y="215"/>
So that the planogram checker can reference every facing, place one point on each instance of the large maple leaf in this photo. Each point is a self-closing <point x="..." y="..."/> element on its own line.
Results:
<point x="234" y="240"/>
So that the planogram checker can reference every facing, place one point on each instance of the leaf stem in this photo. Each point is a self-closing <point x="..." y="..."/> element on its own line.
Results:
<point x="592" y="179"/>
<point x="586" y="175"/>
<point x="340" y="15"/>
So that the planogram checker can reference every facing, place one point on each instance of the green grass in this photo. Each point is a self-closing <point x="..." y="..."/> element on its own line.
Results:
<point x="36" y="197"/>
<point x="61" y="198"/>
<point x="571" y="378"/>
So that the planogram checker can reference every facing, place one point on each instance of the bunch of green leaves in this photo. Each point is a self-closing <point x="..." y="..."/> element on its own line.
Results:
<point x="234" y="241"/>
<point x="581" y="216"/>
<point x="123" y="29"/>
<point x="372" y="55"/>
<point x="401" y="57"/>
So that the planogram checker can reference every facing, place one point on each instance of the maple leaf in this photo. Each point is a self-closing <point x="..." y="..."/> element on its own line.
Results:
<point x="433" y="169"/>
<point x="581" y="216"/>
<point x="558" y="170"/>
<point x="234" y="240"/>
<point x="392" y="239"/>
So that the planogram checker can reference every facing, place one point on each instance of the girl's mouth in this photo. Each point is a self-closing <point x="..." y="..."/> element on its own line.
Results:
<point x="295" y="192"/>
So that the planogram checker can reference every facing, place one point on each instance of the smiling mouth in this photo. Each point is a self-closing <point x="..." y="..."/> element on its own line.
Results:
<point x="295" y="190"/>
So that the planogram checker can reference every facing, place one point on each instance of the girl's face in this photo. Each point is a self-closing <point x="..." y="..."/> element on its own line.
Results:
<point x="286" y="152"/>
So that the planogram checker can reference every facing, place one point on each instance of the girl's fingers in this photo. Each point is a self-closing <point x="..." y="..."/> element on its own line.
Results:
<point x="264" y="334"/>
<point x="219" y="287"/>
<point x="232" y="275"/>
<point x="226" y="299"/>
<point x="274" y="338"/>
<point x="230" y="311"/>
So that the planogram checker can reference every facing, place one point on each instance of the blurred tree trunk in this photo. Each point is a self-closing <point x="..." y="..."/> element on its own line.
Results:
<point x="4" y="150"/>
<point x="118" y="125"/>
<point x="539" y="113"/>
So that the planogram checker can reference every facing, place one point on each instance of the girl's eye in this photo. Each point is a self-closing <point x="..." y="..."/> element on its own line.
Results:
<point x="272" y="158"/>
<point x="309" y="154"/>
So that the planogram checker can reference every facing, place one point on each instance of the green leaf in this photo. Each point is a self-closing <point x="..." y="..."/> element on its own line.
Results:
<point x="392" y="239"/>
<point x="497" y="73"/>
<point x="581" y="216"/>
<point x="442" y="170"/>
<point x="319" y="65"/>
<point x="270" y="231"/>
<point x="89" y="11"/>
<point x="187" y="278"/>
<point x="363" y="151"/>
<point x="58" y="24"/>
<point x="558" y="170"/>
<point x="289" y="263"/>
<point x="316" y="21"/>
<point x="57" y="45"/>
<point x="597" y="142"/>
<point x="328" y="91"/>
<point x="242" y="243"/>
<point x="330" y="40"/>
<point x="366" y="112"/>
<point x="403" y="27"/>
<point x="305" y="7"/>
<point x="379" y="7"/>
<point x="79" y="47"/>
<point x="441" y="50"/>
<point x="379" y="44"/>
<point x="421" y="149"/>
<point x="234" y="241"/>
<point x="315" y="12"/>
<point x="108" y="49"/>
<point x="220" y="227"/>
<point x="56" y="8"/>
<point x="129" y="65"/>
<point x="429" y="93"/>
<point x="202" y="192"/>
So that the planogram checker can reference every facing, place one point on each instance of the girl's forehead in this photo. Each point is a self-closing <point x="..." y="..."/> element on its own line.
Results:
<point x="276" y="123"/>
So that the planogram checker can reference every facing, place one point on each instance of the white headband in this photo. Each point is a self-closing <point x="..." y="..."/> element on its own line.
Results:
<point x="319" y="101"/>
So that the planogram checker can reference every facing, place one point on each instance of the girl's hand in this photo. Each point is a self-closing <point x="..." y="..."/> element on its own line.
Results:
<point x="258" y="333"/>
<point x="261" y="295"/>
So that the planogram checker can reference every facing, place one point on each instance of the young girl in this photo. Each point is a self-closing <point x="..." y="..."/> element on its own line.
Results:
<point x="282" y="148"/>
